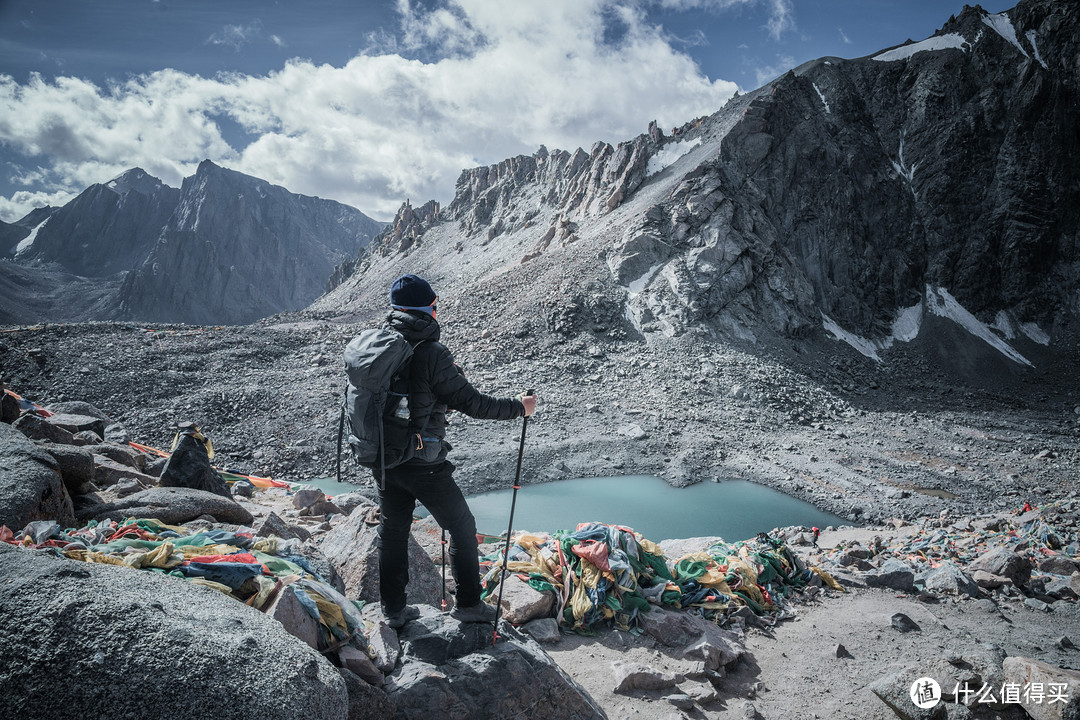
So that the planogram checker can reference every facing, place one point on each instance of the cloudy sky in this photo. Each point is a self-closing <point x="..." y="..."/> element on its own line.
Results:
<point x="376" y="101"/>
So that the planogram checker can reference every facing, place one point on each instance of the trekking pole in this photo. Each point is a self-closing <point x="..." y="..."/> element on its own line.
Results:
<point x="510" y="525"/>
<point x="444" y="570"/>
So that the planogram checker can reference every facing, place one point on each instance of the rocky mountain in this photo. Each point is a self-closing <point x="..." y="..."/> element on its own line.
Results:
<point x="226" y="248"/>
<point x="931" y="185"/>
<point x="238" y="248"/>
<point x="107" y="229"/>
<point x="11" y="234"/>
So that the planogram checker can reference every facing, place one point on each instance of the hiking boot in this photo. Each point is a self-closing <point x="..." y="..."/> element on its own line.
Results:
<point x="481" y="612"/>
<point x="397" y="620"/>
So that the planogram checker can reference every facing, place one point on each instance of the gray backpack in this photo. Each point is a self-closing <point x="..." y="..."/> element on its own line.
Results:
<point x="376" y="403"/>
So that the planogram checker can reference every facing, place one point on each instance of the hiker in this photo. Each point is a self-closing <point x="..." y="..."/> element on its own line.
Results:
<point x="436" y="385"/>
<point x="817" y="534"/>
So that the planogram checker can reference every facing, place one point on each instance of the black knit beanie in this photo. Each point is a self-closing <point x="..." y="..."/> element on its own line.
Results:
<point x="411" y="291"/>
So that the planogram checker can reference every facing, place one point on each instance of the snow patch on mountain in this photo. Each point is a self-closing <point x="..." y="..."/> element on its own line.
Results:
<point x="950" y="41"/>
<point x="27" y="242"/>
<point x="669" y="154"/>
<point x="822" y="96"/>
<point x="940" y="302"/>
<point x="1002" y="25"/>
<point x="868" y="348"/>
<point x="1030" y="35"/>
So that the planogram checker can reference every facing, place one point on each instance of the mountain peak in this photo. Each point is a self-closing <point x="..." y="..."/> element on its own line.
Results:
<point x="136" y="179"/>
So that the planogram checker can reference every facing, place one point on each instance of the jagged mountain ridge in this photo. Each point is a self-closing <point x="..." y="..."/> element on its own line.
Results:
<point x="225" y="248"/>
<point x="238" y="249"/>
<point x="108" y="228"/>
<point x="856" y="195"/>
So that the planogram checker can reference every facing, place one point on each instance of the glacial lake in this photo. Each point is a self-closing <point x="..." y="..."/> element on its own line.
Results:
<point x="732" y="509"/>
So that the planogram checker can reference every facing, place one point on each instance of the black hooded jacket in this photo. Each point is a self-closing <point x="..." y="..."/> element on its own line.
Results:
<point x="436" y="383"/>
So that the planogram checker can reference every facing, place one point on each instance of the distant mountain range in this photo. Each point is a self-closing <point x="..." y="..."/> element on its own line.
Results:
<point x="225" y="248"/>
<point x="863" y="200"/>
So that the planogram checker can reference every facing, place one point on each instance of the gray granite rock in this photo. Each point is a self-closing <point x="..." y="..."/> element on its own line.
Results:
<point x="112" y="629"/>
<point x="171" y="505"/>
<point x="351" y="548"/>
<point x="31" y="487"/>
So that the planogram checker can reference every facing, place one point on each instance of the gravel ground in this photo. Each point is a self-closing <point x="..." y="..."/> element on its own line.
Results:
<point x="911" y="438"/>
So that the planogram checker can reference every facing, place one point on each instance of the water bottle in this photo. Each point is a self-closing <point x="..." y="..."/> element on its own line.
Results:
<point x="402" y="411"/>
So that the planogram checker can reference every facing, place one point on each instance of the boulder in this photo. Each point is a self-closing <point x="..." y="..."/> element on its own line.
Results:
<point x="36" y="427"/>
<point x="123" y="454"/>
<point x="680" y="630"/>
<point x="130" y="630"/>
<point x="9" y="408"/>
<point x="521" y="603"/>
<point x="1026" y="672"/>
<point x="350" y="501"/>
<point x="78" y="407"/>
<point x="273" y="525"/>
<point x="320" y="508"/>
<point x="853" y="558"/>
<point x="294" y="617"/>
<point x="1004" y="562"/>
<point x="903" y="623"/>
<point x="359" y="663"/>
<point x="948" y="579"/>
<point x="117" y="433"/>
<point x="893" y="574"/>
<point x="189" y="467"/>
<point x="988" y="580"/>
<point x="894" y="689"/>
<point x="31" y="487"/>
<point x="428" y="534"/>
<point x="76" y="464"/>
<point x="384" y="644"/>
<point x="242" y="488"/>
<point x="306" y="496"/>
<point x="366" y="702"/>
<point x="75" y="424"/>
<point x="109" y="472"/>
<point x="451" y="670"/>
<point x="173" y="506"/>
<point x="352" y="550"/>
<point x="128" y="486"/>
<point x="1060" y="588"/>
<point x="1058" y="565"/>
<point x="544" y="631"/>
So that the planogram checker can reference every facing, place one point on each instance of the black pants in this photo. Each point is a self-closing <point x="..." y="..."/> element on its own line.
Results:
<point x="434" y="487"/>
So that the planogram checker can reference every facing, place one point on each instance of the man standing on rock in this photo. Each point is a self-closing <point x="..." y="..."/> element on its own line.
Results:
<point x="436" y="384"/>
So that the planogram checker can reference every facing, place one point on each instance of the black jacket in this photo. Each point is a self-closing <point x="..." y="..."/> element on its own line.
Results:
<point x="436" y="383"/>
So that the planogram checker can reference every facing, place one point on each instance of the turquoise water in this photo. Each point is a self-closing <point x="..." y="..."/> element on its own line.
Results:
<point x="732" y="509"/>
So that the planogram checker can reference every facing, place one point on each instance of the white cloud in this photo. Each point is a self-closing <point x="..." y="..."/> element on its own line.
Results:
<point x="504" y="79"/>
<point x="236" y="36"/>
<point x="22" y="202"/>
<point x="766" y="73"/>
<point x="781" y="13"/>
<point x="843" y="36"/>
<point x="781" y="18"/>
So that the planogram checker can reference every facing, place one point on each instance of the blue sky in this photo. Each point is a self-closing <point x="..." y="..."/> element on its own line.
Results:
<point x="370" y="103"/>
